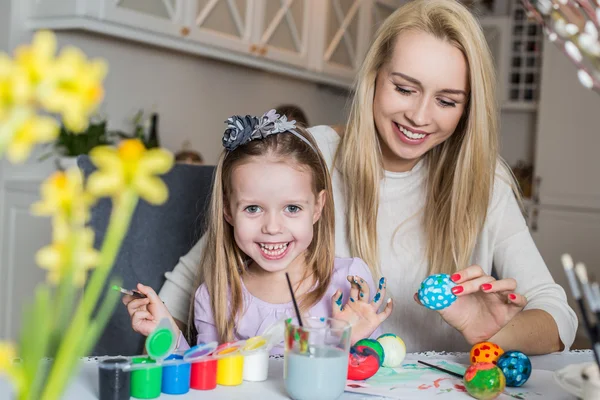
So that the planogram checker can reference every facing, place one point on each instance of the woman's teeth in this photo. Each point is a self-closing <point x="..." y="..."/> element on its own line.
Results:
<point x="273" y="249"/>
<point x="410" y="134"/>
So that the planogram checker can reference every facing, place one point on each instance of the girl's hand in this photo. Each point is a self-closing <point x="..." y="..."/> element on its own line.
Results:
<point x="146" y="313"/>
<point x="359" y="311"/>
<point x="484" y="305"/>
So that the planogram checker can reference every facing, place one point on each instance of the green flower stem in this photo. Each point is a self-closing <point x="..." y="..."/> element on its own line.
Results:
<point x="6" y="136"/>
<point x="34" y="343"/>
<point x="65" y="294"/>
<point x="69" y="350"/>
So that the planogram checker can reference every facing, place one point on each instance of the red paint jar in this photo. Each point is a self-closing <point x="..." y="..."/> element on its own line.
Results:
<point x="204" y="375"/>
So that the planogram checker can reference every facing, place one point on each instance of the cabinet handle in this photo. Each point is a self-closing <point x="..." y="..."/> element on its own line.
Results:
<point x="253" y="48"/>
<point x="533" y="223"/>
<point x="535" y="195"/>
<point x="263" y="50"/>
<point x="185" y="31"/>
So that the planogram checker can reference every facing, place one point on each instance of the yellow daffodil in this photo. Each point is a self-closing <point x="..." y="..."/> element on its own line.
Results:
<point x="37" y="59"/>
<point x="62" y="255"/>
<point x="22" y="129"/>
<point x="63" y="196"/>
<point x="130" y="166"/>
<point x="16" y="90"/>
<point x="75" y="88"/>
<point x="7" y="355"/>
<point x="14" y="372"/>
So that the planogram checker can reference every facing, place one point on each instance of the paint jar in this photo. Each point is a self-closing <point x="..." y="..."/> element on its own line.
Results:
<point x="256" y="359"/>
<point x="204" y="375"/>
<point x="161" y="342"/>
<point x="176" y="377"/>
<point x="146" y="378"/>
<point x="203" y="366"/>
<point x="114" y="379"/>
<point x="230" y="364"/>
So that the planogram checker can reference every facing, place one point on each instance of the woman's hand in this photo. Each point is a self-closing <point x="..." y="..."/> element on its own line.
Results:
<point x="484" y="305"/>
<point x="359" y="311"/>
<point x="146" y="313"/>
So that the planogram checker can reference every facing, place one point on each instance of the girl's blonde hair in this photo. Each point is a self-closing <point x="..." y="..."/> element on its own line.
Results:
<point x="223" y="263"/>
<point x="461" y="169"/>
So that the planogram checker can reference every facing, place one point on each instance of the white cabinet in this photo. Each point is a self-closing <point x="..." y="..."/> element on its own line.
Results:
<point x="320" y="40"/>
<point x="220" y="23"/>
<point x="344" y="36"/>
<point x="160" y="16"/>
<point x="282" y="30"/>
<point x="21" y="236"/>
<point x="558" y="231"/>
<point x="566" y="201"/>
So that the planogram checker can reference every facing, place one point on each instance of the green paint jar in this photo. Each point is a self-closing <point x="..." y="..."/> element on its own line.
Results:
<point x="146" y="378"/>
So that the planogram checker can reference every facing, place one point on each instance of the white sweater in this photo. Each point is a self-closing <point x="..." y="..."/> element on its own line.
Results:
<point x="504" y="242"/>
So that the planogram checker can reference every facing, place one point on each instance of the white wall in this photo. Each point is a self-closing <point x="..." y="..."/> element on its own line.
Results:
<point x="4" y="24"/>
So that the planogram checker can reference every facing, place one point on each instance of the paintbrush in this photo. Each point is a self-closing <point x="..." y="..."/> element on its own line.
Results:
<point x="581" y="272"/>
<point x="133" y="293"/>
<point x="457" y="375"/>
<point x="294" y="299"/>
<point x="567" y="262"/>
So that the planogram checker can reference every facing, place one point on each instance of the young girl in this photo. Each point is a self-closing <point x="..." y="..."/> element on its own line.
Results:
<point x="271" y="212"/>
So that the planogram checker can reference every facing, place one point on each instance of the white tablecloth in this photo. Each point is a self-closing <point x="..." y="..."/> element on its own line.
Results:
<point x="85" y="386"/>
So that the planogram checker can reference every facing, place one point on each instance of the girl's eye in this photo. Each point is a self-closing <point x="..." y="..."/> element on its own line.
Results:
<point x="445" y="103"/>
<point x="403" y="91"/>
<point x="252" y="209"/>
<point x="292" y="209"/>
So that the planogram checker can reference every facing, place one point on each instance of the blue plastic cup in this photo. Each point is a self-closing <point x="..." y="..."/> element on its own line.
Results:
<point x="176" y="378"/>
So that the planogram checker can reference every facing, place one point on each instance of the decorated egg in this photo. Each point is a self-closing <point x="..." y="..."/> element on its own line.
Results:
<point x="393" y="348"/>
<point x="436" y="292"/>
<point x="516" y="367"/>
<point x="484" y="381"/>
<point x="363" y="363"/>
<point x="485" y="352"/>
<point x="375" y="345"/>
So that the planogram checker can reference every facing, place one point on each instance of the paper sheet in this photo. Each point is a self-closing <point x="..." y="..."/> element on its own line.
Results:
<point x="415" y="381"/>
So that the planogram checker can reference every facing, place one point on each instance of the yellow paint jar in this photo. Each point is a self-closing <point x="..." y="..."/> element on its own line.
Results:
<point x="230" y="366"/>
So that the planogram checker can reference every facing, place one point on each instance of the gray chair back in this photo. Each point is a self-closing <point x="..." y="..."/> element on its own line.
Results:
<point x="158" y="236"/>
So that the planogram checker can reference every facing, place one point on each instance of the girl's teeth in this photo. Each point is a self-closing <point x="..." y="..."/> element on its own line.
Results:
<point x="411" y="135"/>
<point x="273" y="249"/>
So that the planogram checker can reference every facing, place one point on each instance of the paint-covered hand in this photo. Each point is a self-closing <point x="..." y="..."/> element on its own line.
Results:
<point x="146" y="313"/>
<point x="359" y="310"/>
<point x="483" y="306"/>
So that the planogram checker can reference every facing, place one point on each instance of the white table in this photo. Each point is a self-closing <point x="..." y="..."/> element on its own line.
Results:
<point x="85" y="386"/>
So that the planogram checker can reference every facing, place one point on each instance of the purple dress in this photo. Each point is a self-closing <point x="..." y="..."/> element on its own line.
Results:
<point x="260" y="315"/>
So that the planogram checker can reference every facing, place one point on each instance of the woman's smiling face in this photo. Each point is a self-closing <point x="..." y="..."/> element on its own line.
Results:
<point x="420" y="96"/>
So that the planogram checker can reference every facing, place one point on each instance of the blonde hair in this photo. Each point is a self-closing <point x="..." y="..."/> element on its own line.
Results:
<point x="461" y="169"/>
<point x="223" y="263"/>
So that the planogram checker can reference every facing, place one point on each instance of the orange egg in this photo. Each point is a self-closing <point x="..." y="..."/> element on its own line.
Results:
<point x="486" y="352"/>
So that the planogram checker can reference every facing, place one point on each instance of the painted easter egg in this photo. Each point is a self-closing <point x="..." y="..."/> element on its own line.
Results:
<point x="485" y="352"/>
<point x="393" y="348"/>
<point x="375" y="345"/>
<point x="484" y="381"/>
<point x="516" y="367"/>
<point x="363" y="363"/>
<point x="436" y="292"/>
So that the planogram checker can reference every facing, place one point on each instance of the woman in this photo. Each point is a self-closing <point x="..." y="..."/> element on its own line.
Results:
<point x="419" y="189"/>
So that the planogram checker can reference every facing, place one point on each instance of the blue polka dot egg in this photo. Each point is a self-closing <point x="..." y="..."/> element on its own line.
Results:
<point x="436" y="292"/>
<point x="516" y="367"/>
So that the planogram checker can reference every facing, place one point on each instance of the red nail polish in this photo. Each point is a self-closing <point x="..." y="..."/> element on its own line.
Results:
<point x="455" y="278"/>
<point x="486" y="286"/>
<point x="457" y="289"/>
<point x="512" y="296"/>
